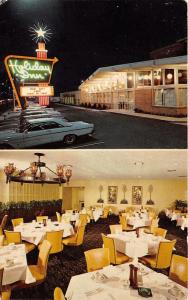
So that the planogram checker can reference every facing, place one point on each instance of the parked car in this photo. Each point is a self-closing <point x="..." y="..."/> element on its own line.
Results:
<point x="45" y="130"/>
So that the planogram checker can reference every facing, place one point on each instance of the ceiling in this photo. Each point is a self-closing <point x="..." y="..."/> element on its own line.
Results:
<point x="107" y="164"/>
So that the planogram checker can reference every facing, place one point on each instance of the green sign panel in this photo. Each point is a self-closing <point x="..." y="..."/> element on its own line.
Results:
<point x="30" y="70"/>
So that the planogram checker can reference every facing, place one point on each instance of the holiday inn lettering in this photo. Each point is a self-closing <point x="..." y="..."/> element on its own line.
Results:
<point x="23" y="71"/>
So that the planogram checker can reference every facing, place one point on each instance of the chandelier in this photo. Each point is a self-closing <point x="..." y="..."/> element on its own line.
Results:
<point x="35" y="173"/>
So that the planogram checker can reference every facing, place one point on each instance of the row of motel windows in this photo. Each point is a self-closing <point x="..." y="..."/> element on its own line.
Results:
<point x="162" y="97"/>
<point x="144" y="78"/>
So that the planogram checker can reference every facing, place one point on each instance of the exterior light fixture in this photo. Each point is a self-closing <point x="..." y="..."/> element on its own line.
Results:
<point x="35" y="174"/>
<point x="169" y="76"/>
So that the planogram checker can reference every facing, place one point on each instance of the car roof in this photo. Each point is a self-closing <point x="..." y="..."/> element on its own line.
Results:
<point x="42" y="120"/>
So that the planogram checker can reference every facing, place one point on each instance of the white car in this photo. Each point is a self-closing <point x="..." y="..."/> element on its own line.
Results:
<point x="45" y="130"/>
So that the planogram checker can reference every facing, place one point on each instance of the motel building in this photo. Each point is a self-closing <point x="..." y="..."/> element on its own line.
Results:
<point x="157" y="86"/>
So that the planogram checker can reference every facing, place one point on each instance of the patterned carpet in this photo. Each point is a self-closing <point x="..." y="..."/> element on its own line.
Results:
<point x="71" y="261"/>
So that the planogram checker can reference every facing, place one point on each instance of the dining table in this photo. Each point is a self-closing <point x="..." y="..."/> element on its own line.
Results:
<point x="34" y="232"/>
<point x="14" y="262"/>
<point x="139" y="220"/>
<point x="128" y="243"/>
<point x="112" y="283"/>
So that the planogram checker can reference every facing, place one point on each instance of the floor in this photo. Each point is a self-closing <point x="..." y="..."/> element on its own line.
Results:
<point x="71" y="262"/>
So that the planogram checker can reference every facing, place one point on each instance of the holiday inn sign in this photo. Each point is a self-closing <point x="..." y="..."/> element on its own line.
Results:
<point x="25" y="71"/>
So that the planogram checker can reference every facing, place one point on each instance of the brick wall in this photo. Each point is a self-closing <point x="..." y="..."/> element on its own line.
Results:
<point x="143" y="102"/>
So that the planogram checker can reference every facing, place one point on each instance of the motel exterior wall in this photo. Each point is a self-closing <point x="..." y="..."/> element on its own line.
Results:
<point x="70" y="98"/>
<point x="156" y="87"/>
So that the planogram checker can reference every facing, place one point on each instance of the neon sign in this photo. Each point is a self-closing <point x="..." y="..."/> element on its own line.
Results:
<point x="25" y="70"/>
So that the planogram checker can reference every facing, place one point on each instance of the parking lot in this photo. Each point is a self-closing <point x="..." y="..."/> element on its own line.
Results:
<point x="117" y="131"/>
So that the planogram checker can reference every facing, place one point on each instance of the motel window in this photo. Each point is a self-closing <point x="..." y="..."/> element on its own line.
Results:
<point x="157" y="77"/>
<point x="144" y="78"/>
<point x="182" y="76"/>
<point x="169" y="76"/>
<point x="165" y="97"/>
<point x="130" y="80"/>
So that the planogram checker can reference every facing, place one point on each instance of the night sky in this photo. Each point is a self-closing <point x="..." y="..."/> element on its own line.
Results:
<point x="90" y="34"/>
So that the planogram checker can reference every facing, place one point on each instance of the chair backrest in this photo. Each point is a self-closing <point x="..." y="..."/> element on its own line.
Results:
<point x="16" y="222"/>
<point x="123" y="222"/>
<point x="164" y="254"/>
<point x="179" y="269"/>
<point x="154" y="222"/>
<point x="1" y="278"/>
<point x="58" y="294"/>
<point x="109" y="243"/>
<point x="117" y="228"/>
<point x="97" y="258"/>
<point x="41" y="218"/>
<point x="4" y="221"/>
<point x="58" y="215"/>
<point x="83" y="219"/>
<point x="55" y="239"/>
<point x="80" y="235"/>
<point x="159" y="231"/>
<point x="13" y="237"/>
<point x="1" y="240"/>
<point x="43" y="256"/>
<point x="105" y="212"/>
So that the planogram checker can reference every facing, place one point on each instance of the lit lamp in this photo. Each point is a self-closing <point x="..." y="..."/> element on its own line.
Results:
<point x="9" y="170"/>
<point x="36" y="174"/>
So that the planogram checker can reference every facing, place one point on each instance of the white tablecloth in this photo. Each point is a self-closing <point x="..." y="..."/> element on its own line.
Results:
<point x="183" y="222"/>
<point x="35" y="232"/>
<point x="129" y="244"/>
<point x="18" y="270"/>
<point x="70" y="217"/>
<point x="87" y="286"/>
<point x="136" y="221"/>
<point x="97" y="213"/>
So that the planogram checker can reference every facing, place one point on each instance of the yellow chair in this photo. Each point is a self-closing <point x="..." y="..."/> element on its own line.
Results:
<point x="3" y="223"/>
<point x="179" y="269"/>
<point x="41" y="218"/>
<point x="83" y="219"/>
<point x="118" y="228"/>
<point x="76" y="239"/>
<point x="163" y="257"/>
<point x="105" y="213"/>
<point x="39" y="271"/>
<point x="116" y="257"/>
<point x="97" y="259"/>
<point x="16" y="222"/>
<point x="58" y="215"/>
<point x="123" y="222"/>
<point x="5" y="293"/>
<point x="15" y="237"/>
<point x="159" y="231"/>
<point x="154" y="224"/>
<point x="55" y="239"/>
<point x="58" y="294"/>
<point x="1" y="240"/>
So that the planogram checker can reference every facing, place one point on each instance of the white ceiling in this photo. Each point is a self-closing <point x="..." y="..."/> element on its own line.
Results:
<point x="106" y="164"/>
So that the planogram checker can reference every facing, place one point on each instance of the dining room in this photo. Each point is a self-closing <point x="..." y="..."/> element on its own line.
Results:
<point x="90" y="225"/>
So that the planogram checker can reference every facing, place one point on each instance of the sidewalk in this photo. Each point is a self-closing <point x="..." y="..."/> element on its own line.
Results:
<point x="181" y="121"/>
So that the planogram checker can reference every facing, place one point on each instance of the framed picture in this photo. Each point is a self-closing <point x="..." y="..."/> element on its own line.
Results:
<point x="137" y="192"/>
<point x="112" y="194"/>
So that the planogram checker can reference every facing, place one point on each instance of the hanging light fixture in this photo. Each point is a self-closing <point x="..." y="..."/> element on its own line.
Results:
<point x="35" y="174"/>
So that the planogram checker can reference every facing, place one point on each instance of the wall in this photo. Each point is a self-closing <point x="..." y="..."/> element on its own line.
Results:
<point x="4" y="188"/>
<point x="164" y="191"/>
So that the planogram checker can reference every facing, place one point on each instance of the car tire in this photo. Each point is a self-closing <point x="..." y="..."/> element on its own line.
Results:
<point x="69" y="139"/>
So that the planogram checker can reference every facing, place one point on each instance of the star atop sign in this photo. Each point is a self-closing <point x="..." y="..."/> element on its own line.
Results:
<point x="40" y="32"/>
